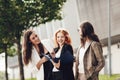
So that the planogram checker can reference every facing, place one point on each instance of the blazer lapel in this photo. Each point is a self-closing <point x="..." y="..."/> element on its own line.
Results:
<point x="88" y="46"/>
<point x="78" y="50"/>
<point x="63" y="50"/>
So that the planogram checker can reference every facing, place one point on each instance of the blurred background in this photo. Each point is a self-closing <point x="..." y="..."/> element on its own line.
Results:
<point x="103" y="14"/>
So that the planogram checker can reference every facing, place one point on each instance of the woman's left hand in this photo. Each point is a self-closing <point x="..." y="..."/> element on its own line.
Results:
<point x="52" y="54"/>
<point x="57" y="65"/>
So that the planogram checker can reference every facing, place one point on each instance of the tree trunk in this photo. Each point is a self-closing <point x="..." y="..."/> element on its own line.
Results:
<point x="20" y="61"/>
<point x="6" y="66"/>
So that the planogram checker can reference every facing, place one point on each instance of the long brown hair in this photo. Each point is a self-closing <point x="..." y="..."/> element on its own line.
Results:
<point x="66" y="34"/>
<point x="88" y="31"/>
<point x="27" y="47"/>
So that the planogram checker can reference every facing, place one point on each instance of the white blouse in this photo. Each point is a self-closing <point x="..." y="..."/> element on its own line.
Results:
<point x="57" y="55"/>
<point x="81" y="57"/>
<point x="32" y="65"/>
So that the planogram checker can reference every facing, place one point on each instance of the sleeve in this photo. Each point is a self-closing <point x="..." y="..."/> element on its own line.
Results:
<point x="67" y="57"/>
<point x="39" y="73"/>
<point x="97" y="48"/>
<point x="76" y="64"/>
<point x="32" y="67"/>
<point x="33" y="62"/>
<point x="69" y="47"/>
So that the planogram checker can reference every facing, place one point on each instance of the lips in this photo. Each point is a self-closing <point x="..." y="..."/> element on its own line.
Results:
<point x="61" y="41"/>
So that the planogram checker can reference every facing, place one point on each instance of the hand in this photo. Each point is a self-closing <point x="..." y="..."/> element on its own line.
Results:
<point x="44" y="59"/>
<point x="57" y="65"/>
<point x="52" y="54"/>
<point x="41" y="61"/>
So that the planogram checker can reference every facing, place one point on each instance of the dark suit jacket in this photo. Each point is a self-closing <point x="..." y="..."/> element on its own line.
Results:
<point x="66" y="62"/>
<point x="93" y="60"/>
<point x="47" y="69"/>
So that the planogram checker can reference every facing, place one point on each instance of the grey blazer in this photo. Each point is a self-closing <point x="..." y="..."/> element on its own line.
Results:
<point x="93" y="61"/>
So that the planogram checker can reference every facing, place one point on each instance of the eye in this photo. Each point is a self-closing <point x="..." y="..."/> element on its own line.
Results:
<point x="33" y="38"/>
<point x="57" y="36"/>
<point x="35" y="35"/>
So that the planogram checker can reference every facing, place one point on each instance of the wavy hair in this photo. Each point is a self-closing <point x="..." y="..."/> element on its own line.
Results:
<point x="66" y="34"/>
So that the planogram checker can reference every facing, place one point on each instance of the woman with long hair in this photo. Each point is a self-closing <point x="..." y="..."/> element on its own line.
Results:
<point x="33" y="54"/>
<point x="89" y="59"/>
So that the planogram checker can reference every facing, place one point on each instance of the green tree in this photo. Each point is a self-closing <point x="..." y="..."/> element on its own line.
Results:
<point x="5" y="44"/>
<point x="18" y="15"/>
<point x="5" y="37"/>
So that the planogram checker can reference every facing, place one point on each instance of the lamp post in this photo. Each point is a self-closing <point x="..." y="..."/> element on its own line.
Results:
<point x="109" y="37"/>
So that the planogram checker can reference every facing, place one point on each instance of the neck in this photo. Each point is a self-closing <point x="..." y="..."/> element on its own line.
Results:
<point x="37" y="48"/>
<point x="87" y="39"/>
<point x="61" y="46"/>
<point x="35" y="45"/>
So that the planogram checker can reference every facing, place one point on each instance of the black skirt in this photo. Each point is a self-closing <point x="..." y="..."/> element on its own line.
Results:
<point x="57" y="75"/>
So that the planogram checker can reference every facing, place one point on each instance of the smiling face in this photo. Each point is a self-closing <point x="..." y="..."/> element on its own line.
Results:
<point x="60" y="38"/>
<point x="34" y="39"/>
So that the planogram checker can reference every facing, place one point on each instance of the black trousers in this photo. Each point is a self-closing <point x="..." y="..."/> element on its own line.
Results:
<point x="57" y="75"/>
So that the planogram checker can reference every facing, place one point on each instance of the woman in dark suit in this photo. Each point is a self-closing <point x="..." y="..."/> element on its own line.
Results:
<point x="63" y="57"/>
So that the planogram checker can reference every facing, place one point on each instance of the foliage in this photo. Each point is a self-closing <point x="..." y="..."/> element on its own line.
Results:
<point x="112" y="77"/>
<point x="26" y="13"/>
<point x="12" y="50"/>
<point x="17" y="15"/>
<point x="31" y="79"/>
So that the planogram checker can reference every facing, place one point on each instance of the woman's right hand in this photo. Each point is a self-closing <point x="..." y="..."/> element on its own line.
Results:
<point x="41" y="61"/>
<point x="44" y="59"/>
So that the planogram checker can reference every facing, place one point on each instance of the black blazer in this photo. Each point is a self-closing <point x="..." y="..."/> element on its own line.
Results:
<point x="66" y="61"/>
<point x="47" y="65"/>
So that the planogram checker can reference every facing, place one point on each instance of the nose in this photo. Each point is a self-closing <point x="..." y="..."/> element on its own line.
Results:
<point x="36" y="38"/>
